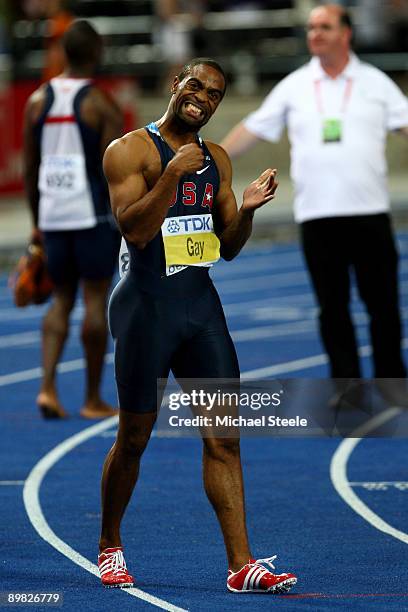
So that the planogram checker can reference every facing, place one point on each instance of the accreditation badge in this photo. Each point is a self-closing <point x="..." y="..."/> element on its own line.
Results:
<point x="189" y="241"/>
<point x="332" y="130"/>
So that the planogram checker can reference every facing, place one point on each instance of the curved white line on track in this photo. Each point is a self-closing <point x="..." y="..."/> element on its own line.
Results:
<point x="338" y="474"/>
<point x="338" y="468"/>
<point x="33" y="508"/>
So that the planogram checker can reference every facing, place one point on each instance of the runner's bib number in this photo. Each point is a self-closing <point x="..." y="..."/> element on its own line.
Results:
<point x="62" y="176"/>
<point x="189" y="241"/>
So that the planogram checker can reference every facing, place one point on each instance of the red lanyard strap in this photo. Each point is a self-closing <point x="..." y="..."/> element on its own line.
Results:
<point x="346" y="95"/>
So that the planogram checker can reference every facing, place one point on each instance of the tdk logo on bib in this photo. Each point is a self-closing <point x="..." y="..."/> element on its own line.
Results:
<point x="60" y="161"/>
<point x="184" y="225"/>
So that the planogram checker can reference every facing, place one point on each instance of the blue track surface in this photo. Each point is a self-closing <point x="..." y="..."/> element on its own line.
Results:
<point x="173" y="544"/>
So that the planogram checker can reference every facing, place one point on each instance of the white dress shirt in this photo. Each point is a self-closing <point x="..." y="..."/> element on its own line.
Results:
<point x="342" y="178"/>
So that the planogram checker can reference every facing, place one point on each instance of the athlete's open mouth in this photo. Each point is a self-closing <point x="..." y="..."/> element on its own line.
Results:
<point x="194" y="110"/>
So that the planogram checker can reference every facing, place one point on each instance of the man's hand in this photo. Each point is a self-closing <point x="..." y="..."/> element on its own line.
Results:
<point x="260" y="191"/>
<point x="36" y="236"/>
<point x="188" y="159"/>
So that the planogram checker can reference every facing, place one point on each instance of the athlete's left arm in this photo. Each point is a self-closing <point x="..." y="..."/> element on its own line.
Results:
<point x="232" y="226"/>
<point x="112" y="121"/>
<point x="100" y="111"/>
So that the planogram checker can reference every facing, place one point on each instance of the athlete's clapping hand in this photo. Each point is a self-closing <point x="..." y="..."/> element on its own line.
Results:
<point x="260" y="191"/>
<point x="188" y="159"/>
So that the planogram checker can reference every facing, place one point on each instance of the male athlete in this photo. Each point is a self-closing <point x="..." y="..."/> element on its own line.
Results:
<point x="68" y="124"/>
<point x="171" y="196"/>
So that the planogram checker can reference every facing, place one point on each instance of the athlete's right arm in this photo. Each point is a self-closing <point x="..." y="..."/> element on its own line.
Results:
<point x="32" y="155"/>
<point x="138" y="210"/>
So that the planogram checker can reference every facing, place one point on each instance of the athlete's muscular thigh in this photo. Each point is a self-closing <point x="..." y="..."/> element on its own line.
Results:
<point x="209" y="351"/>
<point x="145" y="336"/>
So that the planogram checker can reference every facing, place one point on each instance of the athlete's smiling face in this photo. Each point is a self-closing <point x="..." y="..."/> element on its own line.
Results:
<point x="196" y="97"/>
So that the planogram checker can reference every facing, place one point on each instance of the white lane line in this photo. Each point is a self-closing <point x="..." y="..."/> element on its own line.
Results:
<point x="267" y="332"/>
<point x="263" y="262"/>
<point x="268" y="281"/>
<point x="79" y="364"/>
<point x="26" y="338"/>
<point x="34" y="312"/>
<point x="33" y="508"/>
<point x="302" y="364"/>
<point x="239" y="308"/>
<point x="295" y="365"/>
<point x="285" y="368"/>
<point x="279" y="368"/>
<point x="305" y="322"/>
<point x="302" y="321"/>
<point x="17" y="314"/>
<point x="243" y="285"/>
<point x="299" y="323"/>
<point x="5" y="296"/>
<point x="16" y="377"/>
<point x="304" y="298"/>
<point x="36" y="373"/>
<point x="281" y="313"/>
<point x="21" y="339"/>
<point x="338" y="475"/>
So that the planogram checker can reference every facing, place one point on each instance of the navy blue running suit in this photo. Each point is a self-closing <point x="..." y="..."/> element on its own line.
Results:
<point x="171" y="322"/>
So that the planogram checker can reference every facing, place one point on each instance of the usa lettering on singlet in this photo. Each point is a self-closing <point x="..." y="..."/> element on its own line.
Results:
<point x="65" y="196"/>
<point x="188" y="231"/>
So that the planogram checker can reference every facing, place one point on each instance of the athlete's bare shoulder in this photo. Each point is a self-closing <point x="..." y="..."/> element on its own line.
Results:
<point x="98" y="109"/>
<point x="101" y="99"/>
<point x="127" y="155"/>
<point x="36" y="103"/>
<point x="39" y="93"/>
<point x="130" y="143"/>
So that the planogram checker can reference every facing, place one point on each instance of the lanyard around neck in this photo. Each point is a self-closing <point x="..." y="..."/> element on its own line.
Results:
<point x="346" y="95"/>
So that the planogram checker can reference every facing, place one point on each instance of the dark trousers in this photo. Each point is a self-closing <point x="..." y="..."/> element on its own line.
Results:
<point x="332" y="246"/>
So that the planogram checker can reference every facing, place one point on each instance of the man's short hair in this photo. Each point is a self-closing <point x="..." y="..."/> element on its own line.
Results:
<point x="82" y="43"/>
<point x="345" y="19"/>
<point x="202" y="61"/>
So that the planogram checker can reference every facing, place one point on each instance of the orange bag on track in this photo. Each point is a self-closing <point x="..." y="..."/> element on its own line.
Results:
<point x="30" y="282"/>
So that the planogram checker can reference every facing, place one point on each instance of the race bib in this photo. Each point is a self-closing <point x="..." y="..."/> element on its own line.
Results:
<point x="62" y="176"/>
<point x="189" y="241"/>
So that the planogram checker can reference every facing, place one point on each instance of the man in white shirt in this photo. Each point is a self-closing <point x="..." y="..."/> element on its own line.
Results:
<point x="338" y="111"/>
